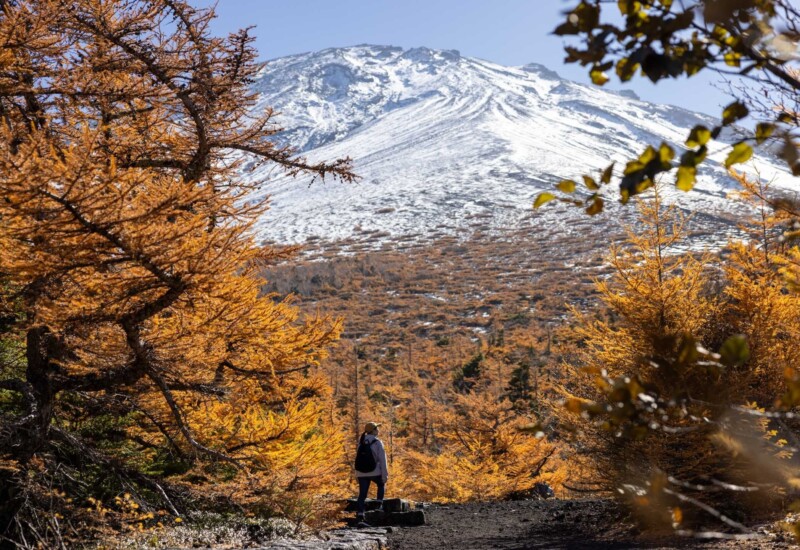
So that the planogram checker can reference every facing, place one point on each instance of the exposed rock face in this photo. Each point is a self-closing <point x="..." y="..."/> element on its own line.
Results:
<point x="394" y="505"/>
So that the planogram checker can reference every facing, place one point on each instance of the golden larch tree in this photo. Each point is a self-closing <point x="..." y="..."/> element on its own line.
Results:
<point x="136" y="339"/>
<point x="667" y="417"/>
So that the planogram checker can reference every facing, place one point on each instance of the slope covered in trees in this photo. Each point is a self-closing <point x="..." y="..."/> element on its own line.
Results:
<point x="679" y="429"/>
<point x="725" y="416"/>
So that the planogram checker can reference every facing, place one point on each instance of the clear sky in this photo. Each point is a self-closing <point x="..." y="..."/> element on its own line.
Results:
<point x="509" y="32"/>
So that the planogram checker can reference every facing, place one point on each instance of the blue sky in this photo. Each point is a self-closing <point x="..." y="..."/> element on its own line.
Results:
<point x="510" y="32"/>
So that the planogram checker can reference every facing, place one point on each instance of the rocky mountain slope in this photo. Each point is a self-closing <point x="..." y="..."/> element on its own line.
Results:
<point x="444" y="141"/>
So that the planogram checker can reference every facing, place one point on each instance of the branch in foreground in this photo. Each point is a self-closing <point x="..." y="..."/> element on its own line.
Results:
<point x="187" y="434"/>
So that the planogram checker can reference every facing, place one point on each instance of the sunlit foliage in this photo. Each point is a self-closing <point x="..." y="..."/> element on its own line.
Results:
<point x="137" y="346"/>
<point x="672" y="425"/>
<point x="483" y="450"/>
<point x="749" y="41"/>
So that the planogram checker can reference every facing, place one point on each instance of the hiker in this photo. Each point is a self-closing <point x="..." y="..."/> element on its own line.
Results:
<point x="370" y="466"/>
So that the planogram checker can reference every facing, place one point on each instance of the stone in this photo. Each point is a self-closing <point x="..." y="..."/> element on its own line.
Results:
<point x="542" y="490"/>
<point x="379" y="518"/>
<point x="375" y="517"/>
<point x="369" y="504"/>
<point x="395" y="505"/>
<point x="343" y="539"/>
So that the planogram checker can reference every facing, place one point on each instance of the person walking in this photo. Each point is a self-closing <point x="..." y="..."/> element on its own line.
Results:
<point x="370" y="468"/>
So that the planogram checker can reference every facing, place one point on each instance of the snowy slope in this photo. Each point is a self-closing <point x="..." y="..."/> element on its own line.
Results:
<point x="441" y="139"/>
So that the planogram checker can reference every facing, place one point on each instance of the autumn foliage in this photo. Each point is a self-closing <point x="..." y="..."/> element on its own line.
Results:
<point x="674" y="383"/>
<point x="663" y="39"/>
<point x="137" y="345"/>
<point x="484" y="450"/>
<point x="147" y="367"/>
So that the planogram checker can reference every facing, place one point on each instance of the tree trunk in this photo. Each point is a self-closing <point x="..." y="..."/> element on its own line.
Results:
<point x="38" y="375"/>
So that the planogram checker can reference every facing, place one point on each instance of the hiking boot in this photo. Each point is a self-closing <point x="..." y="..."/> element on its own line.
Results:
<point x="360" y="521"/>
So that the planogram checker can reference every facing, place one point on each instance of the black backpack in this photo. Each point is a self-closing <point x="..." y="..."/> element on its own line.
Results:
<point x="365" y="461"/>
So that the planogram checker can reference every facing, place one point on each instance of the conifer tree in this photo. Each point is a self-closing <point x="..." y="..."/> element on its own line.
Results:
<point x="520" y="387"/>
<point x="139" y="342"/>
<point x="469" y="373"/>
<point x="668" y="417"/>
<point x="487" y="451"/>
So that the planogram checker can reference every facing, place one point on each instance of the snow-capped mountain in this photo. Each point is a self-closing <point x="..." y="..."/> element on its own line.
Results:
<point x="440" y="139"/>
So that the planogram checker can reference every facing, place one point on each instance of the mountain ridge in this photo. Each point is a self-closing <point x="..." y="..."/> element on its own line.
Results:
<point x="440" y="139"/>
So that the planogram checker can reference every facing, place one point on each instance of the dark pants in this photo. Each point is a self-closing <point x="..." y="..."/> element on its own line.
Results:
<point x="363" y="489"/>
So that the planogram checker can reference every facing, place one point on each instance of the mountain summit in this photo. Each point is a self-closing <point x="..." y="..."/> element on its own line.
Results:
<point x="440" y="139"/>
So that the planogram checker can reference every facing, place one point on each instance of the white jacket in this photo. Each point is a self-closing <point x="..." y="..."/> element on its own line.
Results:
<point x="380" y="459"/>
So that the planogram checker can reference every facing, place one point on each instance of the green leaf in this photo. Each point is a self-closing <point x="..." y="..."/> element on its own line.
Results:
<point x="607" y="173"/>
<point x="735" y="351"/>
<point x="764" y="131"/>
<point x="733" y="112"/>
<point x="596" y="207"/>
<point x="566" y="186"/>
<point x="644" y="185"/>
<point x="656" y="66"/>
<point x="632" y="167"/>
<point x="719" y="33"/>
<point x="741" y="152"/>
<point x="648" y="155"/>
<point x="585" y="16"/>
<point x="543" y="198"/>
<point x="629" y="7"/>
<point x="698" y="136"/>
<point x="566" y="29"/>
<point x="686" y="178"/>
<point x="626" y="68"/>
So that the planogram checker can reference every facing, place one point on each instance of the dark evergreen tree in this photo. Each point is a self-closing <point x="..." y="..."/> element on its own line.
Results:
<point x="469" y="373"/>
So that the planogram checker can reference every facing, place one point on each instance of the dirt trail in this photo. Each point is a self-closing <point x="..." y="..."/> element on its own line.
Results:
<point x="527" y="525"/>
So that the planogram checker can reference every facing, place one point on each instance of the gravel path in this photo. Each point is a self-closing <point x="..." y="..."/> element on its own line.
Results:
<point x="524" y="525"/>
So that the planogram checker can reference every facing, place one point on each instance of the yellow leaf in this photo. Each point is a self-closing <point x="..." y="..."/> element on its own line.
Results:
<point x="566" y="186"/>
<point x="543" y="198"/>
<point x="741" y="152"/>
<point x="598" y="77"/>
<point x="596" y="207"/>
<point x="677" y="516"/>
<point x="686" y="178"/>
